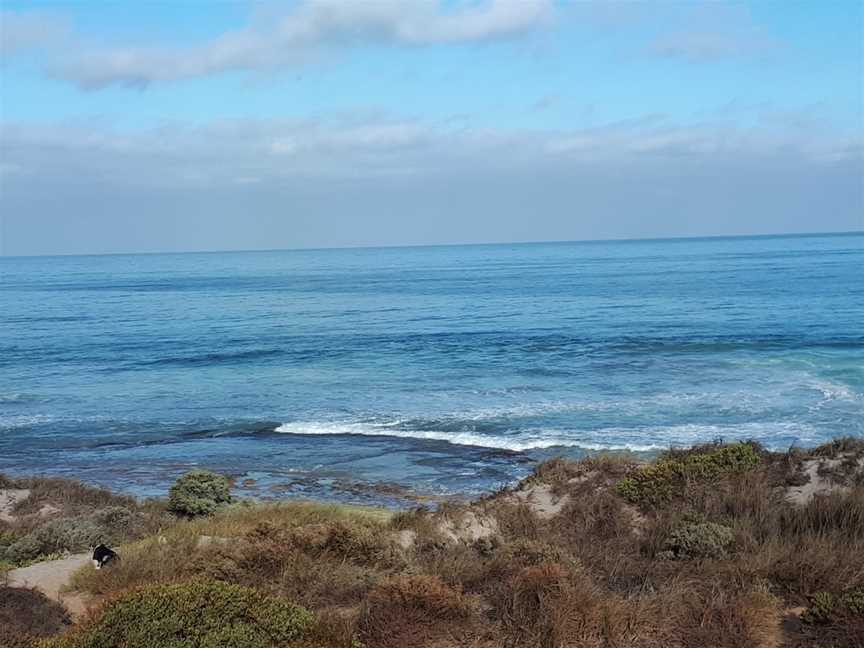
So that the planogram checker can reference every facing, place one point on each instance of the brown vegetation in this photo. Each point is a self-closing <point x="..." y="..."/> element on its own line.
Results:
<point x="703" y="548"/>
<point x="27" y="615"/>
<point x="59" y="516"/>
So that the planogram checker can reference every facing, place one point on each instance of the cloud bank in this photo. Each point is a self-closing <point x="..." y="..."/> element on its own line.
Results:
<point x="330" y="182"/>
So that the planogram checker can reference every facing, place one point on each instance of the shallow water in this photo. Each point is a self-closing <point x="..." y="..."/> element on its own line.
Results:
<point x="444" y="369"/>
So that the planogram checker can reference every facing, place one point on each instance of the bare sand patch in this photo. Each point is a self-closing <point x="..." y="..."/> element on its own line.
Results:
<point x="50" y="577"/>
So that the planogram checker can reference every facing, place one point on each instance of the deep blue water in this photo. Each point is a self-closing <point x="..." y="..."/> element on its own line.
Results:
<point x="445" y="369"/>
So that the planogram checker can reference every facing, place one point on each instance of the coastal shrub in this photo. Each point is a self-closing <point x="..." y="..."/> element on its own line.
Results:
<point x="26" y="615"/>
<point x="699" y="540"/>
<point x="199" y="492"/>
<point x="825" y="606"/>
<point x="854" y="601"/>
<point x="657" y="483"/>
<point x="197" y="614"/>
<point x="110" y="525"/>
<point x="56" y="536"/>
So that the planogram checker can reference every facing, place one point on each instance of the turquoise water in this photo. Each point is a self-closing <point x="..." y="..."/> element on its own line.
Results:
<point x="444" y="369"/>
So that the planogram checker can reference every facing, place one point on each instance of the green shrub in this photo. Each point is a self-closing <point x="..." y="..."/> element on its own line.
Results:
<point x="668" y="477"/>
<point x="699" y="540"/>
<point x="198" y="614"/>
<point x="66" y="534"/>
<point x="854" y="601"/>
<point x="826" y="607"/>
<point x="110" y="525"/>
<point x="821" y="608"/>
<point x="199" y="492"/>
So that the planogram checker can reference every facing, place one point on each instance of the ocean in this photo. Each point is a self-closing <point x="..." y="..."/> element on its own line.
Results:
<point x="363" y="374"/>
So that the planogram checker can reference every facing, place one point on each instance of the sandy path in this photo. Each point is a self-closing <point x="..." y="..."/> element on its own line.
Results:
<point x="50" y="577"/>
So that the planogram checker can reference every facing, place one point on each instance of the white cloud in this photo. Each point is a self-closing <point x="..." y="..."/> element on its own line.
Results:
<point x="314" y="27"/>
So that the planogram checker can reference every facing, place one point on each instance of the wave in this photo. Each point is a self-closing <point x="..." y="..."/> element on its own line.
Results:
<point x="834" y="391"/>
<point x="544" y="440"/>
<point x="778" y="435"/>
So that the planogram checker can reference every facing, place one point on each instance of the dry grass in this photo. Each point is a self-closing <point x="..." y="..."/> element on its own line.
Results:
<point x="419" y="611"/>
<point x="714" y="562"/>
<point x="61" y="515"/>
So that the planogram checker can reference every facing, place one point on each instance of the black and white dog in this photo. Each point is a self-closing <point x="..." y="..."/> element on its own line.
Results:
<point x="102" y="555"/>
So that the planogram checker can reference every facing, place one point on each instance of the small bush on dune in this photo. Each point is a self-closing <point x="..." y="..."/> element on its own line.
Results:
<point x="657" y="483"/>
<point x="65" y="534"/>
<point x="199" y="492"/>
<point x="198" y="614"/>
<point x="699" y="540"/>
<point x="110" y="525"/>
<point x="824" y="606"/>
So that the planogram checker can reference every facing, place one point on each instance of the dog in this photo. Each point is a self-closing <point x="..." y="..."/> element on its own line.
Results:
<point x="102" y="555"/>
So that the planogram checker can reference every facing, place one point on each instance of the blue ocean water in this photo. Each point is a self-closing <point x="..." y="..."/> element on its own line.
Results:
<point x="443" y="369"/>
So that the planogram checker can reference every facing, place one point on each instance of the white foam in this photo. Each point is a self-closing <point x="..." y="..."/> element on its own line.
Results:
<point x="834" y="391"/>
<point x="773" y="434"/>
<point x="534" y="440"/>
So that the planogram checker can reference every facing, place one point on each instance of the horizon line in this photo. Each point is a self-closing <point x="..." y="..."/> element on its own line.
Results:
<point x="436" y="245"/>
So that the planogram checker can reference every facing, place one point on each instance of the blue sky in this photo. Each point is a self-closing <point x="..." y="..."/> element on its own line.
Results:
<point x="215" y="125"/>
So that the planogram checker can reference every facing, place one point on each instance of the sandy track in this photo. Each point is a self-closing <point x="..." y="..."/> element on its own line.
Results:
<point x="50" y="577"/>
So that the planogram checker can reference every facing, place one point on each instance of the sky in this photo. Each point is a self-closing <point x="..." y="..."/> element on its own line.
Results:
<point x="172" y="125"/>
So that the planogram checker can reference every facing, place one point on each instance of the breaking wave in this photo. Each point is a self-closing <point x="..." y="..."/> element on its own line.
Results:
<point x="651" y="439"/>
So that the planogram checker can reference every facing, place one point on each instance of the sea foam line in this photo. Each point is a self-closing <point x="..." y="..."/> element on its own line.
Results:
<point x="456" y="438"/>
<point x="657" y="438"/>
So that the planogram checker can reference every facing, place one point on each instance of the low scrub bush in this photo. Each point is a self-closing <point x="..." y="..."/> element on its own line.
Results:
<point x="199" y="492"/>
<point x="57" y="536"/>
<point x="699" y="540"/>
<point x="657" y="483"/>
<point x="111" y="525"/>
<point x="825" y="606"/>
<point x="198" y="614"/>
